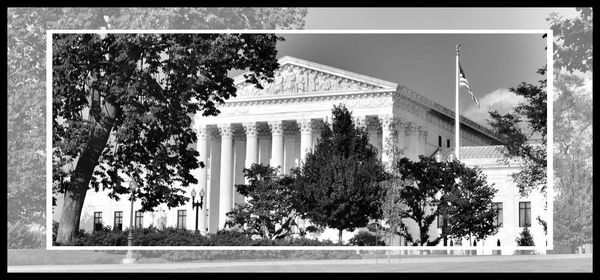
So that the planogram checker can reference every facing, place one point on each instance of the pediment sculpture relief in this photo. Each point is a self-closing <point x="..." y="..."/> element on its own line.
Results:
<point x="293" y="79"/>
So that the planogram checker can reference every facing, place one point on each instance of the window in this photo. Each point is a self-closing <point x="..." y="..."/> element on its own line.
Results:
<point x="497" y="206"/>
<point x="524" y="214"/>
<point x="447" y="143"/>
<point x="181" y="219"/>
<point x="118" y="224"/>
<point x="139" y="219"/>
<point x="440" y="141"/>
<point x="97" y="220"/>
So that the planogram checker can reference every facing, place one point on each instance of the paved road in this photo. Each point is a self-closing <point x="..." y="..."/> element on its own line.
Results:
<point x="540" y="263"/>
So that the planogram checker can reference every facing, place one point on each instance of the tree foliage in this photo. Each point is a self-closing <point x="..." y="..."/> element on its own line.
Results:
<point x="525" y="238"/>
<point x="422" y="181"/>
<point x="573" y="41"/>
<point x="269" y="211"/>
<point x="468" y="204"/>
<point x="26" y="51"/>
<point x="573" y="125"/>
<point x="450" y="189"/>
<point x="340" y="183"/>
<point x="123" y="106"/>
<point x="524" y="133"/>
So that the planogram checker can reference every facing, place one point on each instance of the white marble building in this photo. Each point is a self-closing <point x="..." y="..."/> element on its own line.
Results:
<point x="279" y="124"/>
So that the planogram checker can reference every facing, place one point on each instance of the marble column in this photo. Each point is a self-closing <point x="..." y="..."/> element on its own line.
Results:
<point x="387" y="138"/>
<point x="251" y="144"/>
<point x="212" y="203"/>
<point x="226" y="181"/>
<point x="306" y="137"/>
<point x="239" y="162"/>
<point x="202" y="148"/>
<point x="277" y="144"/>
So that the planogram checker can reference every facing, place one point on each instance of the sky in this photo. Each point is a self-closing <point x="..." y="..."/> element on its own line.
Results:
<point x="432" y="18"/>
<point x="425" y="63"/>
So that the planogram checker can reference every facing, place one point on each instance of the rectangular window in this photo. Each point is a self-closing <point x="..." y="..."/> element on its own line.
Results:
<point x="447" y="143"/>
<point x="497" y="206"/>
<point x="139" y="219"/>
<point x="97" y="220"/>
<point x="440" y="141"/>
<point x="118" y="224"/>
<point x="181" y="219"/>
<point x="524" y="214"/>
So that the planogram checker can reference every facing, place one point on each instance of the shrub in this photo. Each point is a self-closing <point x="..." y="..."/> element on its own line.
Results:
<point x="365" y="238"/>
<point x="525" y="239"/>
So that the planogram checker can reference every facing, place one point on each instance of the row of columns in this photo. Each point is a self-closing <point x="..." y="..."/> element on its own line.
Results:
<point x="402" y="134"/>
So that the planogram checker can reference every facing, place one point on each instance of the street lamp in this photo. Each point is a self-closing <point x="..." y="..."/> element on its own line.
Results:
<point x="129" y="257"/>
<point x="438" y="156"/>
<point x="197" y="205"/>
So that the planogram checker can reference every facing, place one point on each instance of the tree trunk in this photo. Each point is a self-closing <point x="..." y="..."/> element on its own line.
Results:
<point x="340" y="236"/>
<point x="80" y="178"/>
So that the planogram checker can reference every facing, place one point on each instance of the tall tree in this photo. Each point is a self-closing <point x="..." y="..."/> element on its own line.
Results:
<point x="424" y="182"/>
<point x="26" y="50"/>
<point x="340" y="184"/>
<point x="139" y="91"/>
<point x="450" y="189"/>
<point x="524" y="133"/>
<point x="467" y="204"/>
<point x="573" y="121"/>
<point x="269" y="211"/>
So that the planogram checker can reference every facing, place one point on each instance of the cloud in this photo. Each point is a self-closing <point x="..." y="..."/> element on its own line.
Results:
<point x="501" y="100"/>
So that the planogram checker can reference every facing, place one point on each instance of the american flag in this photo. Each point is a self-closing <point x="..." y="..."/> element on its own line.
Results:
<point x="465" y="83"/>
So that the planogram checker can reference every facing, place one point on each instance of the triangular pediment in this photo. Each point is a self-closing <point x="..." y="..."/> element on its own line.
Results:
<point x="297" y="76"/>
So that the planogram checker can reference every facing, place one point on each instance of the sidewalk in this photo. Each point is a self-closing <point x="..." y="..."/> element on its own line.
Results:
<point x="467" y="263"/>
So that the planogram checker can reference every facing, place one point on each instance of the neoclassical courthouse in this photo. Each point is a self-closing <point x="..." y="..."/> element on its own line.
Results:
<point x="280" y="123"/>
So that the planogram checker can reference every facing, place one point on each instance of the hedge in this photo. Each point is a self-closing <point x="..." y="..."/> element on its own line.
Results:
<point x="176" y="237"/>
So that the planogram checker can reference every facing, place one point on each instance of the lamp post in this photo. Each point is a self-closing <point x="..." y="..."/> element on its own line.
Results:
<point x="129" y="257"/>
<point x="197" y="205"/>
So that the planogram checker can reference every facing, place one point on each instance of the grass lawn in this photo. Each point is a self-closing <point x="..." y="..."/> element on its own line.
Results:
<point x="44" y="257"/>
<point x="568" y="265"/>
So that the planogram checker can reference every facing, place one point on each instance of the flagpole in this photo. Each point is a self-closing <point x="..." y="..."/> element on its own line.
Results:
<point x="457" y="110"/>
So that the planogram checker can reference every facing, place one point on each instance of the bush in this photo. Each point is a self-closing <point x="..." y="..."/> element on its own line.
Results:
<point x="22" y="236"/>
<point x="365" y="238"/>
<point x="525" y="239"/>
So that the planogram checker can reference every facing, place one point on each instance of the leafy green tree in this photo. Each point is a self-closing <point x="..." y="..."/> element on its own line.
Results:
<point x="26" y="51"/>
<point x="340" y="182"/>
<point x="573" y="121"/>
<point x="450" y="189"/>
<point x="524" y="133"/>
<point x="268" y="212"/>
<point x="122" y="105"/>
<point x="468" y="204"/>
<point x="573" y="41"/>
<point x="423" y="182"/>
